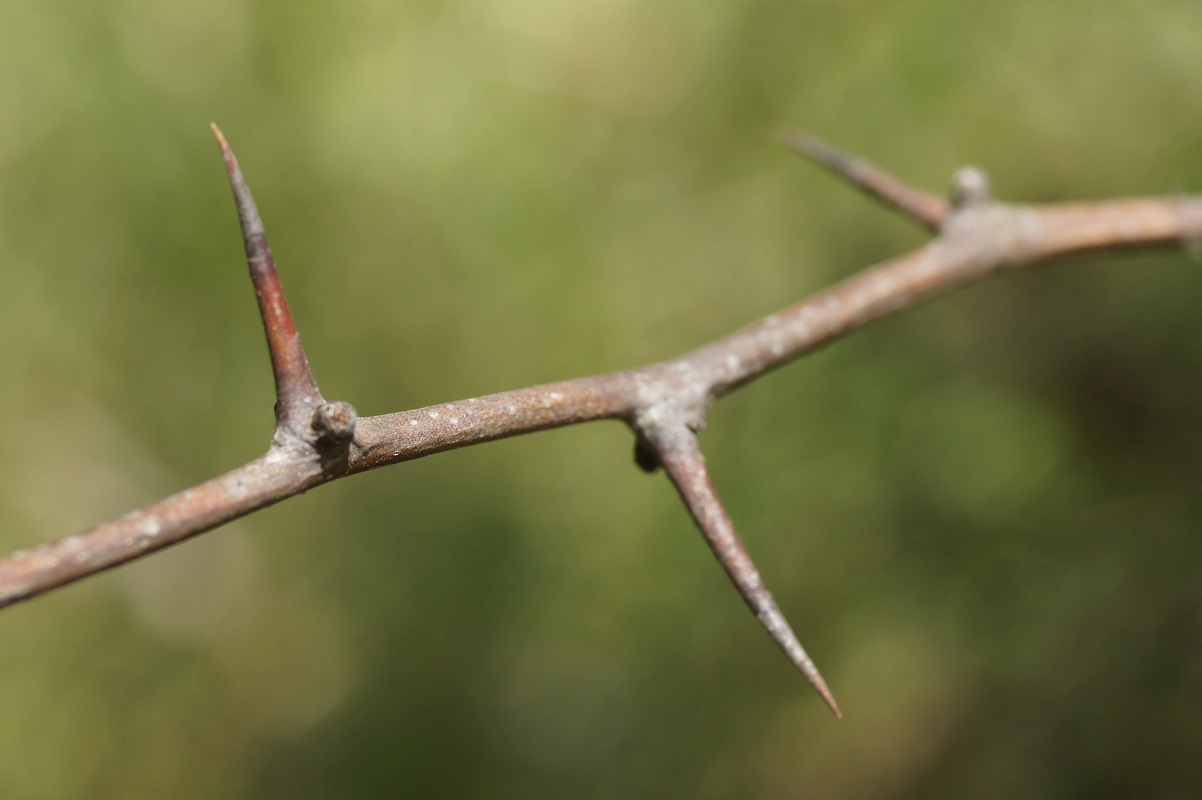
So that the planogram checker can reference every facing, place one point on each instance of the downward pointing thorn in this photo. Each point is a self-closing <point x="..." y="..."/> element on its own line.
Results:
<point x="679" y="454"/>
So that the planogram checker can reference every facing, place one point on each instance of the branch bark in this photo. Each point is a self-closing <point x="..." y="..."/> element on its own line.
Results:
<point x="664" y="404"/>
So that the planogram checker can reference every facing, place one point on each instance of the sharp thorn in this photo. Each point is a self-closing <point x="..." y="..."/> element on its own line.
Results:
<point x="684" y="463"/>
<point x="927" y="209"/>
<point x="296" y="390"/>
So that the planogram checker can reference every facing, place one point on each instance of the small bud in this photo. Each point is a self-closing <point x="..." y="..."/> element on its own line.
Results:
<point x="645" y="456"/>
<point x="334" y="422"/>
<point x="970" y="187"/>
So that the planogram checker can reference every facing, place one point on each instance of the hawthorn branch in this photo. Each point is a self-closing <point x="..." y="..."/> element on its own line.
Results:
<point x="664" y="404"/>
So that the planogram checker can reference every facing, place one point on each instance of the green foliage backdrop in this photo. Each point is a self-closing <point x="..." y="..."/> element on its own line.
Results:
<point x="982" y="517"/>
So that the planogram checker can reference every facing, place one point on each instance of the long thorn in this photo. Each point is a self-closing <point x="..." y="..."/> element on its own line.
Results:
<point x="296" y="390"/>
<point x="681" y="458"/>
<point x="927" y="209"/>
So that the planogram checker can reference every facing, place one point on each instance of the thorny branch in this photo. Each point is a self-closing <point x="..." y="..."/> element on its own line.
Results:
<point x="665" y="404"/>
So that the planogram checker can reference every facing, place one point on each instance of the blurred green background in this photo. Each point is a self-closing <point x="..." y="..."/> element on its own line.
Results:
<point x="982" y="517"/>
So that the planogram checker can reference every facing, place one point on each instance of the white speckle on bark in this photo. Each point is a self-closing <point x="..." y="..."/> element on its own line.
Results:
<point x="76" y="548"/>
<point x="276" y="455"/>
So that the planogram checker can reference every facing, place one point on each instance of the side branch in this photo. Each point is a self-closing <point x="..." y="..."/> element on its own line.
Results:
<point x="976" y="241"/>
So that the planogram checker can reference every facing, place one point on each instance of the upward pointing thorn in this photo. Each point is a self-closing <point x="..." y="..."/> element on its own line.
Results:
<point x="296" y="390"/>
<point x="926" y="209"/>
